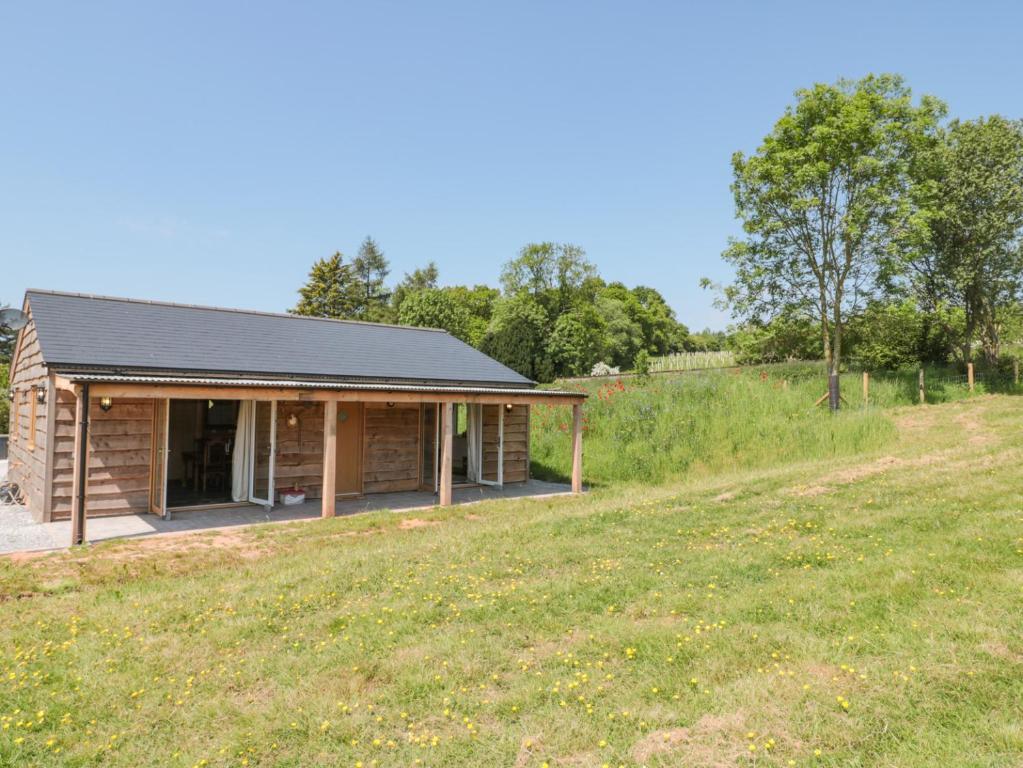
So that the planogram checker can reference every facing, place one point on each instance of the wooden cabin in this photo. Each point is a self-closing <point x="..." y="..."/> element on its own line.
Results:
<point x="122" y="406"/>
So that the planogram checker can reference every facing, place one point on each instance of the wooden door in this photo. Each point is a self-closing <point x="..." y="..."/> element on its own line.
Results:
<point x="349" y="449"/>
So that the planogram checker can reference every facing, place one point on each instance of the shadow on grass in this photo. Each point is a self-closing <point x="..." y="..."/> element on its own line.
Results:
<point x="538" y="470"/>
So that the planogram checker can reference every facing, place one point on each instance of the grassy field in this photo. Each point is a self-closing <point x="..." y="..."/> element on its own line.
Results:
<point x="856" y="611"/>
<point x="670" y="427"/>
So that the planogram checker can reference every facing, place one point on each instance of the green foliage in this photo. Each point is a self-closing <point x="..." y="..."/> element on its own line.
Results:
<point x="420" y="279"/>
<point x="554" y="274"/>
<point x="821" y="201"/>
<point x="969" y="191"/>
<point x="641" y="364"/>
<point x="333" y="290"/>
<point x="577" y="341"/>
<point x="783" y="338"/>
<point x="517" y="337"/>
<point x="668" y="427"/>
<point x="436" y="308"/>
<point x="371" y="269"/>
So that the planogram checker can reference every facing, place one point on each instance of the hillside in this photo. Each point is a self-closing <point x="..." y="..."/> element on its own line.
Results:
<point x="853" y="611"/>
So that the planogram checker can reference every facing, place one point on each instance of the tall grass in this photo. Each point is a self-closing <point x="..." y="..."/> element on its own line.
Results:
<point x="668" y="427"/>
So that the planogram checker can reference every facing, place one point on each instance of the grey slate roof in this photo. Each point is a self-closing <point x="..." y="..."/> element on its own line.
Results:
<point x="79" y="332"/>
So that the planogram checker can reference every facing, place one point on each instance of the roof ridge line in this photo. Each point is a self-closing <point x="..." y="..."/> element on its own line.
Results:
<point x="259" y="312"/>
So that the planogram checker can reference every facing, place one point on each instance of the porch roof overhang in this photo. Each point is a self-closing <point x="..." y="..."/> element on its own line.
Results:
<point x="185" y="387"/>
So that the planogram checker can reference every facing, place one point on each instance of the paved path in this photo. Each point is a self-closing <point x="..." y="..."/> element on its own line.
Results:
<point x="19" y="533"/>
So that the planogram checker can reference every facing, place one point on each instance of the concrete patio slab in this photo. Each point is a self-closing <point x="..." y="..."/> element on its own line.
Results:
<point x="19" y="533"/>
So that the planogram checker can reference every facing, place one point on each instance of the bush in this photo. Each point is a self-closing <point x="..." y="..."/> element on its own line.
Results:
<point x="641" y="363"/>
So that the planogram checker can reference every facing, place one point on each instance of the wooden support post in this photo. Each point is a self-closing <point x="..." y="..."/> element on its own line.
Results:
<point x="921" y="385"/>
<point x="446" y="446"/>
<point x="1015" y="370"/>
<point x="577" y="449"/>
<point x="329" y="458"/>
<point x="80" y="479"/>
<point x="866" y="388"/>
<point x="969" y="375"/>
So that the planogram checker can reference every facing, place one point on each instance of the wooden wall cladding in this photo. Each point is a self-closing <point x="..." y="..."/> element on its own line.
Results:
<point x="516" y="444"/>
<point x="120" y="452"/>
<point x="299" y="459"/>
<point x="391" y="448"/>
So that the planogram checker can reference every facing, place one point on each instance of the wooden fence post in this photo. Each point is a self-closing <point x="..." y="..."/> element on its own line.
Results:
<point x="922" y="385"/>
<point x="969" y="375"/>
<point x="866" y="388"/>
<point x="1015" y="370"/>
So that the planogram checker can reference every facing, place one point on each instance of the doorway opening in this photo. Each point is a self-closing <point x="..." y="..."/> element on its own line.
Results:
<point x="477" y="441"/>
<point x="211" y="452"/>
<point x="201" y="438"/>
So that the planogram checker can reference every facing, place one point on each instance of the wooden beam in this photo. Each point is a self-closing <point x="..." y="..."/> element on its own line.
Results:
<point x="329" y="458"/>
<point x="577" y="449"/>
<point x="80" y="479"/>
<point x="185" y="392"/>
<point x="446" y="447"/>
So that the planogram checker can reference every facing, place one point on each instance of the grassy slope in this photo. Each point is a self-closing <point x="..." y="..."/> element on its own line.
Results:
<point x="865" y="608"/>
<point x="698" y="424"/>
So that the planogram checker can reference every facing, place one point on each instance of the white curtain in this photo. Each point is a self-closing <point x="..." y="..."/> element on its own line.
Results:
<point x="472" y="430"/>
<point x="241" y="458"/>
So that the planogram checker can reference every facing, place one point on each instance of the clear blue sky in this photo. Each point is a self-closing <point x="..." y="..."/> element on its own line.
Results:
<point x="208" y="152"/>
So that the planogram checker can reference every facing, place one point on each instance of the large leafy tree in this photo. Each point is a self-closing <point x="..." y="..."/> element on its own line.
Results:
<point x="436" y="308"/>
<point x="970" y="192"/>
<point x="332" y="290"/>
<point x="822" y="201"/>
<point x="517" y="336"/>
<point x="554" y="274"/>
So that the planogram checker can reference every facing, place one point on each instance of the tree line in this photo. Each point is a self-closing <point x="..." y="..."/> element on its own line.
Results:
<point x="552" y="316"/>
<point x="876" y="227"/>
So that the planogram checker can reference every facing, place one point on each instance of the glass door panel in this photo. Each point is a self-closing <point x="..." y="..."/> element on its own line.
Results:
<point x="158" y="470"/>
<point x="264" y="424"/>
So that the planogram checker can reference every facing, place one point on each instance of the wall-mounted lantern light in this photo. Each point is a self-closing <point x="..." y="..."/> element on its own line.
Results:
<point x="10" y="394"/>
<point x="293" y="420"/>
<point x="41" y="395"/>
<point x="106" y="403"/>
<point x="508" y="407"/>
<point x="390" y="405"/>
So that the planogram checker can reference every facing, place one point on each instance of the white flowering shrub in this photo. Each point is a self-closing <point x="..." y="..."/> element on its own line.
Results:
<point x="603" y="369"/>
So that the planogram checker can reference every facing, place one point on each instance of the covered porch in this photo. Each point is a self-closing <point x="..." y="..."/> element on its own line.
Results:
<point x="235" y="446"/>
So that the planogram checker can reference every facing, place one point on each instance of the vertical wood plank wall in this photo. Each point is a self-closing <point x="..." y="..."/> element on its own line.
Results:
<point x="27" y="461"/>
<point x="391" y="452"/>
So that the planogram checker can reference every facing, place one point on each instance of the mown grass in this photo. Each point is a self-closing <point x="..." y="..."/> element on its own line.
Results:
<point x="852" y="612"/>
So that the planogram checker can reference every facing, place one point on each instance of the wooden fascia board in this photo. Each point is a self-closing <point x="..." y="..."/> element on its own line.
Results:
<point x="199" y="392"/>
